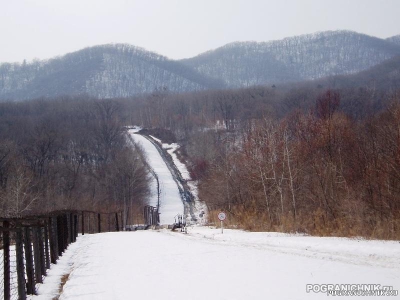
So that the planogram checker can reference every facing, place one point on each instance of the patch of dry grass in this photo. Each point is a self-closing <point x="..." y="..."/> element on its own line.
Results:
<point x="64" y="280"/>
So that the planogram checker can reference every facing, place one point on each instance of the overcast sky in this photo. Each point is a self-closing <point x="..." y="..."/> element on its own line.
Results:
<point x="178" y="28"/>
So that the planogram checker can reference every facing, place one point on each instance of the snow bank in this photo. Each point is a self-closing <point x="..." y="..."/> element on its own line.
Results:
<point x="52" y="282"/>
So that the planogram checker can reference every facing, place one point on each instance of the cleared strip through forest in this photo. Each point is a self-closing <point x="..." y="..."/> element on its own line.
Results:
<point x="170" y="200"/>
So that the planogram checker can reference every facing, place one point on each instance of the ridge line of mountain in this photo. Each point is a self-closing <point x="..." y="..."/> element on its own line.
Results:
<point x="124" y="70"/>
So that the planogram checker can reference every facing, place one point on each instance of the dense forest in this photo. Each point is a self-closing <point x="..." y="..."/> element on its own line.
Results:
<point x="68" y="154"/>
<point x="312" y="160"/>
<point x="295" y="159"/>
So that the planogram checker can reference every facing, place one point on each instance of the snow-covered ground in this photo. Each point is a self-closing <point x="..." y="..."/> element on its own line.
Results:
<point x="170" y="200"/>
<point x="205" y="264"/>
<point x="200" y="209"/>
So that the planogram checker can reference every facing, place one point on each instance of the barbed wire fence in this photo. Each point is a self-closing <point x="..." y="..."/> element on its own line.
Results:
<point x="28" y="246"/>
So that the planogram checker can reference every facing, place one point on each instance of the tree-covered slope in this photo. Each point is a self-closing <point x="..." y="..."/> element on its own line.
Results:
<point x="103" y="71"/>
<point x="295" y="58"/>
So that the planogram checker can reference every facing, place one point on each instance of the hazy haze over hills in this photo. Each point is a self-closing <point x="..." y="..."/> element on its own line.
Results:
<point x="122" y="70"/>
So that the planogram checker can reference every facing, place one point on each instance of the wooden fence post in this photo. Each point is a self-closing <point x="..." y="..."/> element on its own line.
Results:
<point x="68" y="223"/>
<point x="30" y="285"/>
<point x="71" y="228"/>
<point x="116" y="222"/>
<point x="89" y="227"/>
<point x="19" y="248"/>
<point x="36" y="255"/>
<point x="55" y="237"/>
<point x="75" y="227"/>
<point x="83" y="223"/>
<point x="53" y="241"/>
<point x="99" y="222"/>
<point x="46" y="244"/>
<point x="59" y="236"/>
<point x="65" y="232"/>
<point x="41" y="251"/>
<point x="6" y="260"/>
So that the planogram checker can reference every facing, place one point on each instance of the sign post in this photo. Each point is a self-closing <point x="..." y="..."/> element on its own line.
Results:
<point x="222" y="217"/>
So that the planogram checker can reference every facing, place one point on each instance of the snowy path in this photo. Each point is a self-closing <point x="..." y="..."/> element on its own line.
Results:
<point x="170" y="200"/>
<point x="207" y="265"/>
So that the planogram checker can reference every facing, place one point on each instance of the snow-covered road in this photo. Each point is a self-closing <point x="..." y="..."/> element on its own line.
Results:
<point x="207" y="265"/>
<point x="170" y="200"/>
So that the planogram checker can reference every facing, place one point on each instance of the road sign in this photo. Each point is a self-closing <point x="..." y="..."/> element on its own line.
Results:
<point x="221" y="216"/>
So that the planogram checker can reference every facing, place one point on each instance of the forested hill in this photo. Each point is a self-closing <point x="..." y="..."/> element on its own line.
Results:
<point x="296" y="58"/>
<point x="384" y="76"/>
<point x="120" y="70"/>
<point x="106" y="71"/>
<point x="394" y="39"/>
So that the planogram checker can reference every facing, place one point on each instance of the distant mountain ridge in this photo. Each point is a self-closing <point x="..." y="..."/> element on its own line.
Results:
<point x="292" y="59"/>
<point x="385" y="75"/>
<point x="394" y="39"/>
<point x="120" y="70"/>
<point x="105" y="71"/>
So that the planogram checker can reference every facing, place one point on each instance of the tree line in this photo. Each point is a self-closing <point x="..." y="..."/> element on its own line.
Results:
<point x="304" y="159"/>
<point x="300" y="158"/>
<point x="318" y="172"/>
<point x="68" y="154"/>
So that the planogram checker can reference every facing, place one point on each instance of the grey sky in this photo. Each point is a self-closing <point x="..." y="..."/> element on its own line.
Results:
<point x="178" y="28"/>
